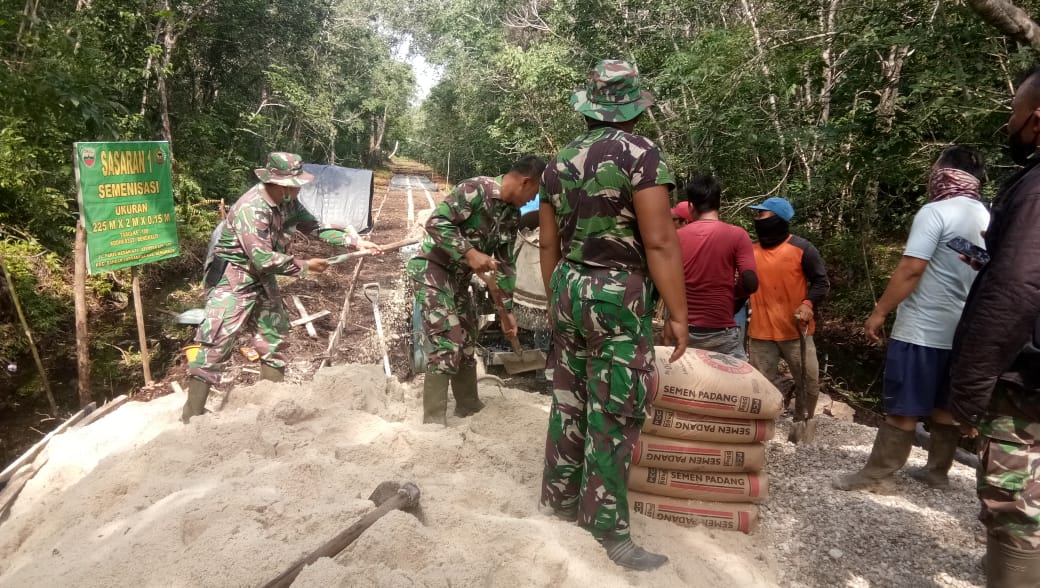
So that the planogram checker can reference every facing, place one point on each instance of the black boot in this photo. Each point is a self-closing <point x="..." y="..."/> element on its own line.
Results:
<point x="435" y="398"/>
<point x="1010" y="567"/>
<point x="891" y="449"/>
<point x="940" y="457"/>
<point x="271" y="373"/>
<point x="464" y="388"/>
<point x="198" y="390"/>
<point x="629" y="555"/>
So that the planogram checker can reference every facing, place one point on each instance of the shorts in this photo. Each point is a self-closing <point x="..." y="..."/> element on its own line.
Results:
<point x="916" y="379"/>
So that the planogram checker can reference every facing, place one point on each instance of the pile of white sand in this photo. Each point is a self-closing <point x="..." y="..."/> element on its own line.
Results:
<point x="137" y="499"/>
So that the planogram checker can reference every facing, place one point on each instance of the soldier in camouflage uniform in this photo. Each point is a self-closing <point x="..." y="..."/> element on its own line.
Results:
<point x="241" y="274"/>
<point x="472" y="230"/>
<point x="606" y="240"/>
<point x="995" y="361"/>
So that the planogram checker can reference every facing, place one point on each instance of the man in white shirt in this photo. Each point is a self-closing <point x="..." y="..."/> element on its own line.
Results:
<point x="929" y="286"/>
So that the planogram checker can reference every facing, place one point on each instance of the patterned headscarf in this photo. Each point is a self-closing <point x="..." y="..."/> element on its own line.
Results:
<point x="947" y="182"/>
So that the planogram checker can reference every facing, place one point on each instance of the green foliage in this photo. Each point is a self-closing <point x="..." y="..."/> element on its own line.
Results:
<point x="41" y="283"/>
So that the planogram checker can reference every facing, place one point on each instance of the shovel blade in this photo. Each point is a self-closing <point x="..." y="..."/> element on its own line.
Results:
<point x="525" y="361"/>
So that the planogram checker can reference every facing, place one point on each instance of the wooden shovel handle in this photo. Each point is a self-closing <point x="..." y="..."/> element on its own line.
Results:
<point x="496" y="296"/>
<point x="388" y="247"/>
<point x="406" y="497"/>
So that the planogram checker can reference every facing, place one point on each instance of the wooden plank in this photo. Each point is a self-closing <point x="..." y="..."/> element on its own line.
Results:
<point x="14" y="487"/>
<point x="105" y="409"/>
<point x="303" y="315"/>
<point x="343" y="313"/>
<point x="141" y="338"/>
<point x="309" y="318"/>
<point x="28" y="456"/>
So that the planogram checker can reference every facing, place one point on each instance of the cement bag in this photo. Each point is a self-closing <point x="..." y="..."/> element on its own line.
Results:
<point x="697" y="427"/>
<point x="698" y="456"/>
<point x="715" y="486"/>
<point x="731" y="516"/>
<point x="714" y="384"/>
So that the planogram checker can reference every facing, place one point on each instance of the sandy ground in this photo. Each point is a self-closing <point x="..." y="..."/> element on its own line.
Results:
<point x="137" y="499"/>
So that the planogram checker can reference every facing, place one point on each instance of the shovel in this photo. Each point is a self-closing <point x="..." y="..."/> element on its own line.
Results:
<point x="803" y="429"/>
<point x="520" y="360"/>
<point x="368" y="289"/>
<point x="388" y="496"/>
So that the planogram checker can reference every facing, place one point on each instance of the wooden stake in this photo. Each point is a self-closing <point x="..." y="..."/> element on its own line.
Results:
<point x="79" y="295"/>
<point x="306" y="318"/>
<point x="28" y="334"/>
<point x="139" y="311"/>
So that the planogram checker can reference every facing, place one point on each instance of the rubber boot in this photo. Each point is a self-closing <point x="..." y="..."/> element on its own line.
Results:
<point x="464" y="388"/>
<point x="1010" y="567"/>
<point x="940" y="457"/>
<point x="198" y="390"/>
<point x="435" y="398"/>
<point x="271" y="373"/>
<point x="891" y="449"/>
<point x="629" y="555"/>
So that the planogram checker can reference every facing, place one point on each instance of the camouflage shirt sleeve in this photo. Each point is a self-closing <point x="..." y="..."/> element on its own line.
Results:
<point x="444" y="226"/>
<point x="504" y="252"/>
<point x="252" y="224"/>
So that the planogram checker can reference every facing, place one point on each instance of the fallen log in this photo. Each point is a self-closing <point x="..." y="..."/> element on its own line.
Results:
<point x="105" y="409"/>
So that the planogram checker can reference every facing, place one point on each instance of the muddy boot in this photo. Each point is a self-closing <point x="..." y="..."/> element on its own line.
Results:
<point x="940" y="457"/>
<point x="629" y="555"/>
<point x="891" y="448"/>
<point x="271" y="373"/>
<point x="1010" y="567"/>
<point x="198" y="390"/>
<point x="435" y="398"/>
<point x="464" y="388"/>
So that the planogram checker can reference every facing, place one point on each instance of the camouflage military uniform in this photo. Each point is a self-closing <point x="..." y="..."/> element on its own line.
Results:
<point x="471" y="216"/>
<point x="254" y="242"/>
<point x="600" y="308"/>
<point x="1008" y="479"/>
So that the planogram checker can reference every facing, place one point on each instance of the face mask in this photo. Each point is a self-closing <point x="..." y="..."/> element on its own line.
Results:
<point x="771" y="231"/>
<point x="1018" y="150"/>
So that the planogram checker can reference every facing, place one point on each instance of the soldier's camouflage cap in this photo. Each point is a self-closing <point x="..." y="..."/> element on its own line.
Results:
<point x="613" y="93"/>
<point x="284" y="169"/>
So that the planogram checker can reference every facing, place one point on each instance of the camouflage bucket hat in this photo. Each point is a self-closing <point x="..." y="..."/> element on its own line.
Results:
<point x="613" y="93"/>
<point x="284" y="169"/>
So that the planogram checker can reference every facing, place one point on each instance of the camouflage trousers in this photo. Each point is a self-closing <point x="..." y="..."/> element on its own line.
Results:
<point x="602" y="361"/>
<point x="448" y="315"/>
<point x="1008" y="479"/>
<point x="237" y="301"/>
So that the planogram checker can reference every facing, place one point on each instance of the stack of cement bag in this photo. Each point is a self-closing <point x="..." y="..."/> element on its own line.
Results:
<point x="701" y="457"/>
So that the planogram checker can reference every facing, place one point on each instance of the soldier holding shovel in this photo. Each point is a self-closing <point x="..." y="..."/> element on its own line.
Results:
<point x="471" y="231"/>
<point x="241" y="275"/>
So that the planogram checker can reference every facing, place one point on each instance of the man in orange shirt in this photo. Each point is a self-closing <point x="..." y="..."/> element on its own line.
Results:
<point x="792" y="281"/>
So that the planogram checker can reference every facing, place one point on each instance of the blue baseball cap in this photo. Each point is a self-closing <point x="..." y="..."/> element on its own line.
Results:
<point x="778" y="206"/>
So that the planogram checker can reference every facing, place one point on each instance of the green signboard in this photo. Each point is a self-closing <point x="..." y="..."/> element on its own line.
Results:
<point x="126" y="198"/>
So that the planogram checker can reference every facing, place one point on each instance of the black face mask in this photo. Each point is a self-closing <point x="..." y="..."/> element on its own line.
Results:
<point x="771" y="231"/>
<point x="1018" y="150"/>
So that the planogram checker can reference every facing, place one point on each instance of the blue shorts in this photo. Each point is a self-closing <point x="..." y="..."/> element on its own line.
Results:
<point x="916" y="379"/>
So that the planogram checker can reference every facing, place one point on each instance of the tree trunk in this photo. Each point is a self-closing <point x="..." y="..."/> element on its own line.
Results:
<point x="774" y="111"/>
<point x="891" y="70"/>
<point x="169" y="42"/>
<point x="79" y="292"/>
<point x="1008" y="19"/>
